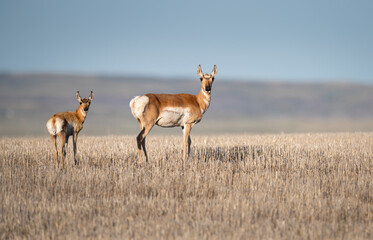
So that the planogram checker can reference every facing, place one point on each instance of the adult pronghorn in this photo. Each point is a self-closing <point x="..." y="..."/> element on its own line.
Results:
<point x="172" y="110"/>
<point x="66" y="124"/>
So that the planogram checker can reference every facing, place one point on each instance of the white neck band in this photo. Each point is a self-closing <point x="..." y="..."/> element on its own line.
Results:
<point x="83" y="112"/>
<point x="205" y="93"/>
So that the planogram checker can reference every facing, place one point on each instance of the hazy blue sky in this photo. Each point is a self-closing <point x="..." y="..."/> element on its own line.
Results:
<point x="267" y="39"/>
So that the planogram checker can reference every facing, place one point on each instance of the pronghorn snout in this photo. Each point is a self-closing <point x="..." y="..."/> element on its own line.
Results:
<point x="208" y="88"/>
<point x="86" y="107"/>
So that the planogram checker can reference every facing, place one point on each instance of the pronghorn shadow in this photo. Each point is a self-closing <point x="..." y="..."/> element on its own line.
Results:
<point x="231" y="154"/>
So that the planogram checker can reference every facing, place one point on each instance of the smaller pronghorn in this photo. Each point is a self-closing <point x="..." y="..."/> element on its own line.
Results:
<point x="172" y="110"/>
<point x="66" y="124"/>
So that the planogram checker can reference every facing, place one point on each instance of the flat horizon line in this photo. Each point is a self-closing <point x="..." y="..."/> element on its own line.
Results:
<point x="161" y="77"/>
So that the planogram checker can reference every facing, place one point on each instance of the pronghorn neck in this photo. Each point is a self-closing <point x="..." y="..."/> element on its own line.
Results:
<point x="81" y="113"/>
<point x="204" y="100"/>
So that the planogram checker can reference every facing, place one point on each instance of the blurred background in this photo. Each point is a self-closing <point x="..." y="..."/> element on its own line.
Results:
<point x="283" y="66"/>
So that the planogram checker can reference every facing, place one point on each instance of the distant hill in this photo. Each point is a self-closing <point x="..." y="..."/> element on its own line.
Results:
<point x="28" y="100"/>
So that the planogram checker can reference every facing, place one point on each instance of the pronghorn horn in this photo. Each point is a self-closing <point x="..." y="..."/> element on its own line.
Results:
<point x="91" y="96"/>
<point x="78" y="96"/>
<point x="199" y="71"/>
<point x="214" y="71"/>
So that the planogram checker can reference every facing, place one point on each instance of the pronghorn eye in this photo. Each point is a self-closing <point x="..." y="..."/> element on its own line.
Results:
<point x="213" y="79"/>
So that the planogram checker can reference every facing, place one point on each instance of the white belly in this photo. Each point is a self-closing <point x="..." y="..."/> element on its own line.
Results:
<point x="173" y="117"/>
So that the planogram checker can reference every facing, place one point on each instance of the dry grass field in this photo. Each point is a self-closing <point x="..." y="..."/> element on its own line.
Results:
<point x="286" y="186"/>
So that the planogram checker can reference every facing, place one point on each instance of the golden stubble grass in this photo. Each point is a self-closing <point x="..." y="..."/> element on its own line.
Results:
<point x="296" y="186"/>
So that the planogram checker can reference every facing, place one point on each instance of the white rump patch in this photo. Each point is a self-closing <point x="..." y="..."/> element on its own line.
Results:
<point x="138" y="104"/>
<point x="56" y="128"/>
<point x="173" y="116"/>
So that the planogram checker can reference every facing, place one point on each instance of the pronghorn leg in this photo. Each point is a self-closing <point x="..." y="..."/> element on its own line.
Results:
<point x="141" y="140"/>
<point x="75" y="139"/>
<point x="63" y="147"/>
<point x="187" y="140"/>
<point x="138" y="139"/>
<point x="144" y="149"/>
<point x="53" y="137"/>
<point x="66" y="144"/>
<point x="189" y="143"/>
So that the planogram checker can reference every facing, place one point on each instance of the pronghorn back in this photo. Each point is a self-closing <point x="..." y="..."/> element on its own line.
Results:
<point x="65" y="121"/>
<point x="166" y="110"/>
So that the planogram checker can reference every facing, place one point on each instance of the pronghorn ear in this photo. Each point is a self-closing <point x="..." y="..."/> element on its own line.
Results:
<point x="91" y="96"/>
<point x="214" y="71"/>
<point x="78" y="96"/>
<point x="199" y="71"/>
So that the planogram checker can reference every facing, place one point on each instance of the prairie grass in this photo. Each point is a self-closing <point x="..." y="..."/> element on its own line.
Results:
<point x="286" y="186"/>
